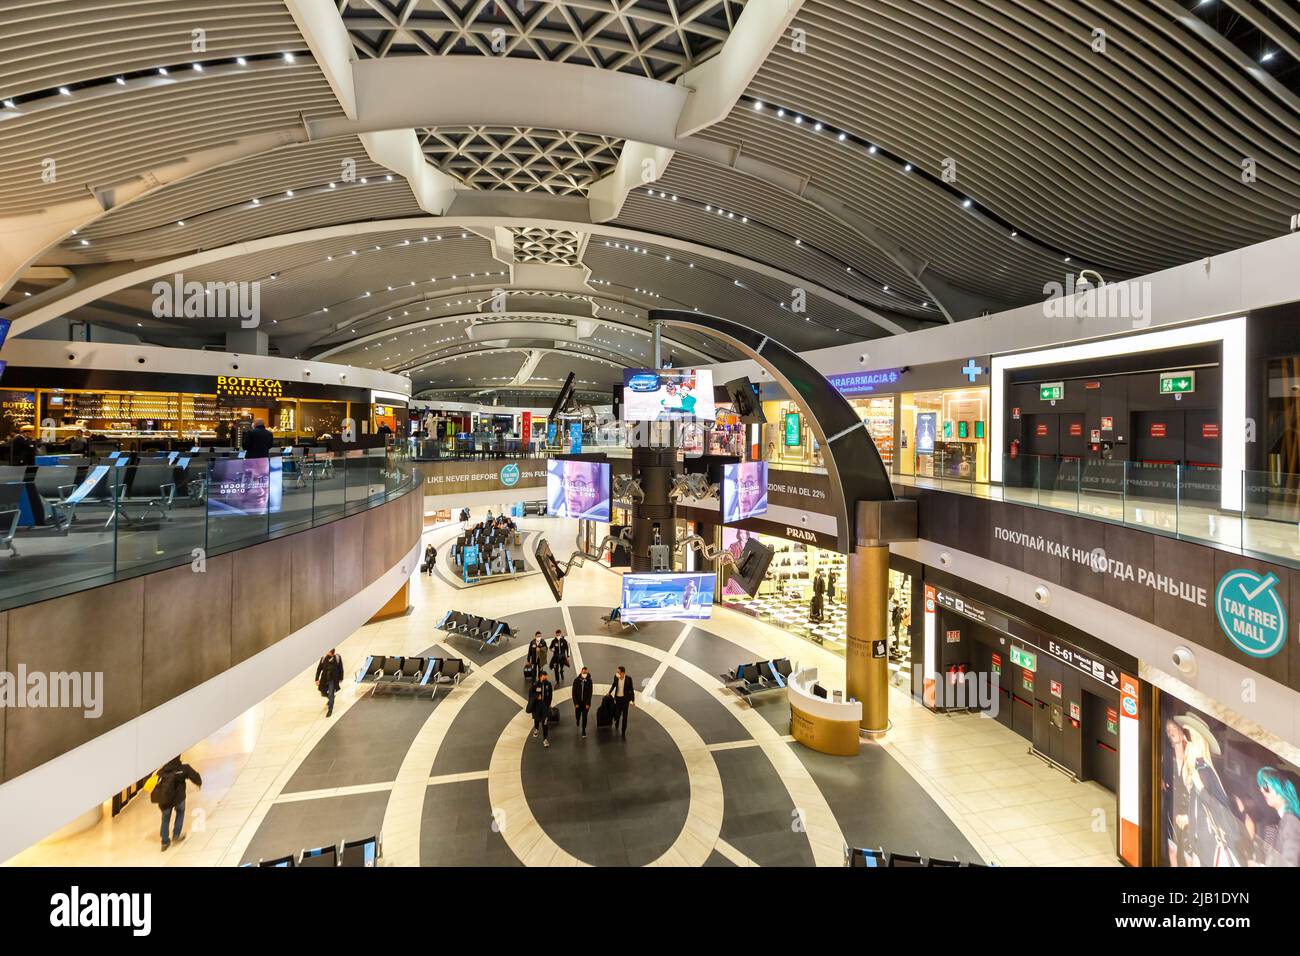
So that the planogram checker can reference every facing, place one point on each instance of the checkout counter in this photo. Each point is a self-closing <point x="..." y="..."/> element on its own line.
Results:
<point x="818" y="720"/>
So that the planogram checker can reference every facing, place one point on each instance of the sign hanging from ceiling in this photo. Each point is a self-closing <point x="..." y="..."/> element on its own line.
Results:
<point x="1051" y="391"/>
<point x="1177" y="383"/>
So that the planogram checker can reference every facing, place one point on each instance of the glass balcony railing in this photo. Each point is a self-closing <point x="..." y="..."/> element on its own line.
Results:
<point x="1251" y="512"/>
<point x="67" y="527"/>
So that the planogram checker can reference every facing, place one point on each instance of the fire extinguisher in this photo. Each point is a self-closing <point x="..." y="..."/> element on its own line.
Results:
<point x="1015" y="448"/>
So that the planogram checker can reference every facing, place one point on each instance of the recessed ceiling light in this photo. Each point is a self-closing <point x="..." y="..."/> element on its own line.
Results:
<point x="121" y="81"/>
<point x="241" y="61"/>
<point x="288" y="192"/>
<point x="65" y="91"/>
<point x="288" y="58"/>
<point x="162" y="71"/>
<point x="198" y="67"/>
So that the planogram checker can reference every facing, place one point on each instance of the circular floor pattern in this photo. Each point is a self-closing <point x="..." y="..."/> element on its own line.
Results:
<point x="608" y="801"/>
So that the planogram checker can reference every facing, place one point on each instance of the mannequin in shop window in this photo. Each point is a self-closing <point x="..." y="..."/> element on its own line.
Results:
<point x="830" y="586"/>
<point x="817" y="608"/>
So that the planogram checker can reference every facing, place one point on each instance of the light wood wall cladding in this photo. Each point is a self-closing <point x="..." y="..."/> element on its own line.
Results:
<point x="159" y="635"/>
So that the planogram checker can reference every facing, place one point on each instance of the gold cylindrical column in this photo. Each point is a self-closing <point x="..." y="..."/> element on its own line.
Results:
<point x="867" y="653"/>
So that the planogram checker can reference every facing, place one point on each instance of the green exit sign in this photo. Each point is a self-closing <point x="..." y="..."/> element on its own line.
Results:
<point x="1177" y="383"/>
<point x="1024" y="659"/>
<point x="1051" y="391"/>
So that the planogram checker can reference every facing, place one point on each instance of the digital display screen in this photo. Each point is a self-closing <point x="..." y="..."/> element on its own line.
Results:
<point x="1224" y="799"/>
<point x="744" y="490"/>
<point x="668" y="394"/>
<point x="240" y="486"/>
<point x="793" y="433"/>
<point x="577" y="489"/>
<point x="979" y="429"/>
<point x="963" y="429"/>
<point x="926" y="424"/>
<point x="667" y="597"/>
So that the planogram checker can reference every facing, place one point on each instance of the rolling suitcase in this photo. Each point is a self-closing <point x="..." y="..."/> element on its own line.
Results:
<point x="553" y="716"/>
<point x="530" y="672"/>
<point x="605" y="713"/>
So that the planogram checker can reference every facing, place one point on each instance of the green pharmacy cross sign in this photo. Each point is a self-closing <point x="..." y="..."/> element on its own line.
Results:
<point x="1177" y="383"/>
<point x="1251" y="612"/>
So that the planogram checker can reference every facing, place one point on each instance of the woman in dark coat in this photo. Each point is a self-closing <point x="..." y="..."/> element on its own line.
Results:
<point x="539" y="705"/>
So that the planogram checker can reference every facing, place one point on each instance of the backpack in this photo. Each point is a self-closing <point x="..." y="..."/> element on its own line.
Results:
<point x="164" y="790"/>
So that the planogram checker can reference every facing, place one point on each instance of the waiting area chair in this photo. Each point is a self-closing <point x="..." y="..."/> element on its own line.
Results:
<point x="759" y="677"/>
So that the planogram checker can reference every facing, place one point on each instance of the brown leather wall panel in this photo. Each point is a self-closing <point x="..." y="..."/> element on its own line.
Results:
<point x="259" y="597"/>
<point x="100" y="630"/>
<point x="159" y="635"/>
<point x="311" y="576"/>
<point x="349" y="558"/>
<point x="186" y="629"/>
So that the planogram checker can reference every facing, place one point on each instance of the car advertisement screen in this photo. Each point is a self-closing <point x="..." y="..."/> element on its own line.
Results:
<point x="245" y="486"/>
<point x="668" y="394"/>
<point x="744" y="490"/>
<point x="577" y="489"/>
<point x="1225" y="800"/>
<point x="667" y="597"/>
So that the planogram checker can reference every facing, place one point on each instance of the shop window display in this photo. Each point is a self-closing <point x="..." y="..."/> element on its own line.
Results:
<point x="878" y="413"/>
<point x="804" y="591"/>
<point x="1224" y="799"/>
<point x="943" y="434"/>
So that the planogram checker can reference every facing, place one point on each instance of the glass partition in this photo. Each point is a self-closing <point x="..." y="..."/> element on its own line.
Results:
<point x="87" y="521"/>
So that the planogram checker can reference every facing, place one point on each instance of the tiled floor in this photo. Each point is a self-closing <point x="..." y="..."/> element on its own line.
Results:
<point x="703" y="779"/>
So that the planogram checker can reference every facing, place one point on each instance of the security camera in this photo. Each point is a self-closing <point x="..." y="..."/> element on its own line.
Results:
<point x="72" y="357"/>
<point x="1184" y="660"/>
<point x="307" y="372"/>
<point x="235" y="366"/>
<point x="945" y="559"/>
<point x="1042" y="595"/>
<point x="863" y="358"/>
<point x="140" y="359"/>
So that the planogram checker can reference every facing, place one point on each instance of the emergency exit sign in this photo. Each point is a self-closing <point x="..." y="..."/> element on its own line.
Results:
<point x="1051" y="391"/>
<point x="1023" y="658"/>
<point x="1177" y="383"/>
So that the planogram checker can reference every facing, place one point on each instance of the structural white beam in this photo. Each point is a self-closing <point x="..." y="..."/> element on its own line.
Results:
<point x="399" y="150"/>
<point x="526" y="370"/>
<point x="639" y="164"/>
<point x="321" y="26"/>
<point x="717" y="84"/>
<point x="413" y="92"/>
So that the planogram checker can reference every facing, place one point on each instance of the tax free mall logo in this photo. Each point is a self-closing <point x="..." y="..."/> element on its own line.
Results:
<point x="1251" y="612"/>
<point x="510" y="475"/>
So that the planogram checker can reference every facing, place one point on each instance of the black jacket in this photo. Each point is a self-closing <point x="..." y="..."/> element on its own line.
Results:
<point x="537" y="653"/>
<point x="179" y="772"/>
<point x="540" y="694"/>
<point x="631" y="687"/>
<point x="258" y="442"/>
<point x="560" y="650"/>
<point x="22" y="451"/>
<point x="582" y="691"/>
<point x="330" y="672"/>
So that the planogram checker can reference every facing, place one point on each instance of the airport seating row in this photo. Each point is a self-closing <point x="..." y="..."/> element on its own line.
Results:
<point x="759" y="676"/>
<point x="351" y="853"/>
<point x="487" y="631"/>
<point x="411" y="673"/>
<point x="862" y="857"/>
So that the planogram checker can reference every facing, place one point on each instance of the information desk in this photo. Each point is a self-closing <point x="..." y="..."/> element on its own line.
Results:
<point x="821" y="723"/>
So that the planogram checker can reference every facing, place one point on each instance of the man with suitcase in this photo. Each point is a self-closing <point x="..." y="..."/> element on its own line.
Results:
<point x="536" y="657"/>
<point x="559" y="655"/>
<point x="622" y="693"/>
<point x="539" y="705"/>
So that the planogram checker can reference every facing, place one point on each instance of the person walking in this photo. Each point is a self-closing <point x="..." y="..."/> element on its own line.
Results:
<point x="582" y="699"/>
<point x="539" y="705"/>
<point x="329" y="678"/>
<point x="430" y="558"/>
<point x="258" y="441"/>
<point x="624" y="695"/>
<point x="169" y="794"/>
<point x="830" y="586"/>
<point x="537" y="654"/>
<point x="559" y="655"/>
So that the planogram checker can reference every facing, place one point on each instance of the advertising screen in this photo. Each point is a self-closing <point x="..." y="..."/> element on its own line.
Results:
<point x="667" y="597"/>
<point x="577" y="489"/>
<point x="925" y="429"/>
<point x="1224" y="799"/>
<point x="744" y="490"/>
<point x="668" y="394"/>
<point x="240" y="486"/>
<point x="793" y="435"/>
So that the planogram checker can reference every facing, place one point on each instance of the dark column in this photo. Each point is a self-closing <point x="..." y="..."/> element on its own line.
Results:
<point x="654" y="466"/>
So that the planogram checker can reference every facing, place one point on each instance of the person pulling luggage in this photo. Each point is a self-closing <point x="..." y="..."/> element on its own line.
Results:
<point x="539" y="705"/>
<point x="622" y="692"/>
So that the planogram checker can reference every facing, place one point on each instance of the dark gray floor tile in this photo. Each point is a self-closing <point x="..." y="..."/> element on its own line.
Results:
<point x="758" y="817"/>
<point x="307" y="824"/>
<point x="474" y="733"/>
<point x="457" y="827"/>
<point x="712" y="720"/>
